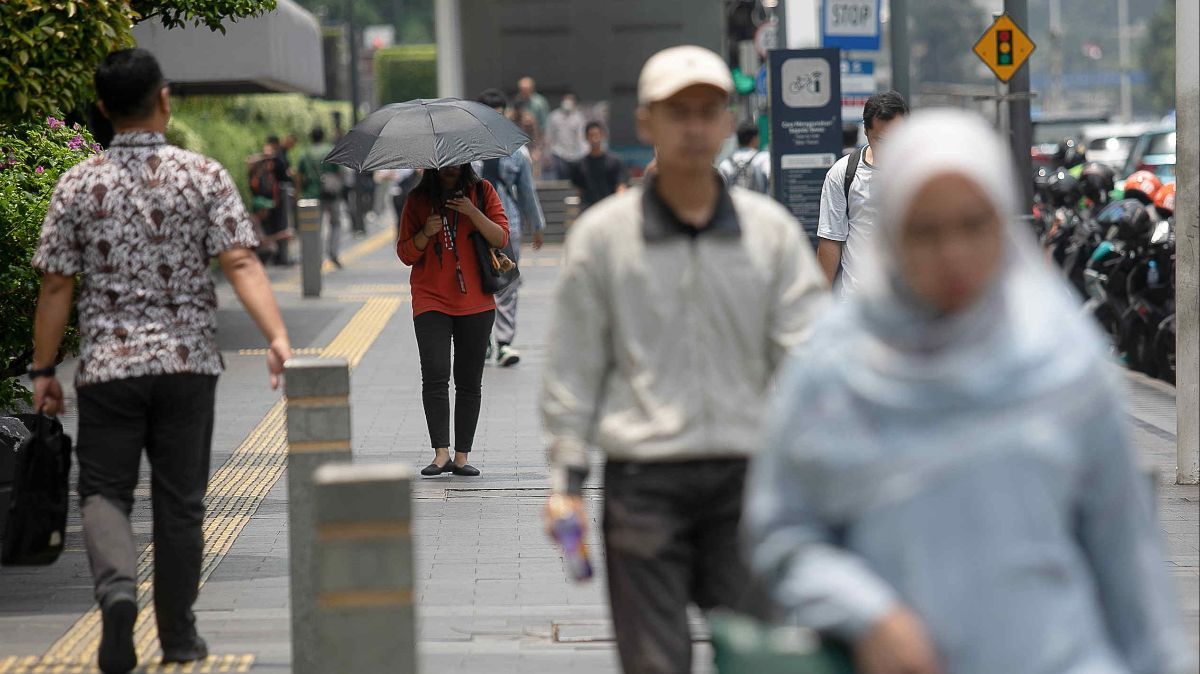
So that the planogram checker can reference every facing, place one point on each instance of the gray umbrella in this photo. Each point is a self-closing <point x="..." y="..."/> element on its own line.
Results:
<point x="427" y="134"/>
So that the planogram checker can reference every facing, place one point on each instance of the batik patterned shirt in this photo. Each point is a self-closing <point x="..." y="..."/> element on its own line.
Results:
<point x="139" y="225"/>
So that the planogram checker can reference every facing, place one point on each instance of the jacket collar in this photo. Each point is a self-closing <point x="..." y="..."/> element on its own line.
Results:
<point x="659" y="222"/>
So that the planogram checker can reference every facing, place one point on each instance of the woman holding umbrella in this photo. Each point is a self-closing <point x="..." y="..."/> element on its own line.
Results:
<point x="449" y="303"/>
<point x="450" y="306"/>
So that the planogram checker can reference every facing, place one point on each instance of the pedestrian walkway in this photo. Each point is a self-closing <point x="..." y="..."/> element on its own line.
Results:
<point x="491" y="591"/>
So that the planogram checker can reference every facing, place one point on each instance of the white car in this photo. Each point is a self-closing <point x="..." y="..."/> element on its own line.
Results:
<point x="1111" y="144"/>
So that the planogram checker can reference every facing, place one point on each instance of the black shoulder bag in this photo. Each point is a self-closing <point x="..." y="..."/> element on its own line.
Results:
<point x="497" y="270"/>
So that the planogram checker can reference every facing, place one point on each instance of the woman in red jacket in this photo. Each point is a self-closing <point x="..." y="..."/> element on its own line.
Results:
<point x="449" y="303"/>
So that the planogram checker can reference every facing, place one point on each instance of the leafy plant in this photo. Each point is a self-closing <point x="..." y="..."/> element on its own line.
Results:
<point x="32" y="157"/>
<point x="49" y="49"/>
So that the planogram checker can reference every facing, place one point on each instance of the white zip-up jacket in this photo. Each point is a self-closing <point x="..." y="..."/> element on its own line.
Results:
<point x="665" y="338"/>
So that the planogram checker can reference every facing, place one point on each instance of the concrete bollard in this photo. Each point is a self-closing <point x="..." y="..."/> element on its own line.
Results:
<point x="365" y="620"/>
<point x="318" y="427"/>
<point x="312" y="254"/>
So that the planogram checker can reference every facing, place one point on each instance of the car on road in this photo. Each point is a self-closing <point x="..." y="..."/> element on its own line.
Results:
<point x="1154" y="151"/>
<point x="1111" y="144"/>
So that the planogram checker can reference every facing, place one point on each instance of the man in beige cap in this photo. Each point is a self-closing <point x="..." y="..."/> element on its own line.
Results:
<point x="677" y="303"/>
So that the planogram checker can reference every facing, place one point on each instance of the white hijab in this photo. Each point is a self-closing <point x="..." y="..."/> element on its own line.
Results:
<point x="1023" y="336"/>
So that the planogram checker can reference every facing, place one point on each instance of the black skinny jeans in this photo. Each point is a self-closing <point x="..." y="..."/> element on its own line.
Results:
<point x="469" y="334"/>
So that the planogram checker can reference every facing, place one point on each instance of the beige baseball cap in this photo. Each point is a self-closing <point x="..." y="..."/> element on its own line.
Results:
<point x="672" y="70"/>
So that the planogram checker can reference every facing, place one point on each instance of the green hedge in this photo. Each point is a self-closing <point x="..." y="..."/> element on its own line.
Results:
<point x="231" y="128"/>
<point x="406" y="72"/>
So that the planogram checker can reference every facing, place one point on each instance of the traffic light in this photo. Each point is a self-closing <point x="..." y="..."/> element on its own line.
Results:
<point x="1004" y="47"/>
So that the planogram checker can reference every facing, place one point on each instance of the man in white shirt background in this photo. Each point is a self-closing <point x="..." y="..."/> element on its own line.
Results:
<point x="847" y="212"/>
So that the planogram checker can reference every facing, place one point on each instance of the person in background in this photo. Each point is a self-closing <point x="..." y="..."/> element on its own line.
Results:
<point x="565" y="140"/>
<point x="450" y="307"/>
<point x="848" y="214"/>
<point x="138" y="226"/>
<point x="748" y="167"/>
<point x="403" y="183"/>
<point x="600" y="174"/>
<point x="948" y="483"/>
<point x="529" y="100"/>
<point x="512" y="177"/>
<point x="322" y="180"/>
<point x="676" y="302"/>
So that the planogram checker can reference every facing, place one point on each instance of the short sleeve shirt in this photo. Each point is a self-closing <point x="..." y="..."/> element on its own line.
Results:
<point x="853" y="226"/>
<point x="139" y="225"/>
<point x="598" y="177"/>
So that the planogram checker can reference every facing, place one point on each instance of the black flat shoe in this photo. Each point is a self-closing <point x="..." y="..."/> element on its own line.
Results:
<point x="117" y="653"/>
<point x="466" y="470"/>
<point x="434" y="469"/>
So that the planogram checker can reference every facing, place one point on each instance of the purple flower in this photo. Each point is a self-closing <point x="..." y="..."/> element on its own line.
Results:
<point x="54" y="123"/>
<point x="96" y="148"/>
<point x="75" y="143"/>
<point x="76" y="126"/>
<point x="39" y="170"/>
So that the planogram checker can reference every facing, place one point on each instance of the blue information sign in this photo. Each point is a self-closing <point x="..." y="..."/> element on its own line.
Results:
<point x="850" y="24"/>
<point x="806" y="128"/>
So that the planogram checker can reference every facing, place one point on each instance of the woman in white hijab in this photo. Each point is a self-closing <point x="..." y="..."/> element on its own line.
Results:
<point x="947" y="483"/>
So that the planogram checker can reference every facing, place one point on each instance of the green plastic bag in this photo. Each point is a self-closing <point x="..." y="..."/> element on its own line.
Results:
<point x="744" y="645"/>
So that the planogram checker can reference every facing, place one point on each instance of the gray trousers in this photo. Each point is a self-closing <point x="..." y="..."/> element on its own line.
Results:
<point x="506" y="301"/>
<point x="670" y="540"/>
<point x="332" y="209"/>
<point x="171" y="417"/>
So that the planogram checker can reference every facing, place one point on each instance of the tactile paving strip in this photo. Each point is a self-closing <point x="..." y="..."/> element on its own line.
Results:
<point x="235" y="492"/>
<point x="213" y="665"/>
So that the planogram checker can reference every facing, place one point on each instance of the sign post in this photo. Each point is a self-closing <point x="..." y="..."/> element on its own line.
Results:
<point x="850" y="24"/>
<point x="806" y="128"/>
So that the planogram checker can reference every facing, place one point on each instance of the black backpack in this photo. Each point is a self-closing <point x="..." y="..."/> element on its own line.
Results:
<point x="851" y="169"/>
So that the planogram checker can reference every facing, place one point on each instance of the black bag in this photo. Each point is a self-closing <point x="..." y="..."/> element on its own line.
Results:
<point x="497" y="266"/>
<point x="37" y="515"/>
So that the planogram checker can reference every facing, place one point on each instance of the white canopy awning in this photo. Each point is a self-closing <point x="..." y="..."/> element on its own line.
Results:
<point x="276" y="52"/>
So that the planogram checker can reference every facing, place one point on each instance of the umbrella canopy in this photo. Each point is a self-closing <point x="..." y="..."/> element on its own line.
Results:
<point x="427" y="134"/>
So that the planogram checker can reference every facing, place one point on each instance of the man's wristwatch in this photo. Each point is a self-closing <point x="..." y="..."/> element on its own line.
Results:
<point x="43" y="372"/>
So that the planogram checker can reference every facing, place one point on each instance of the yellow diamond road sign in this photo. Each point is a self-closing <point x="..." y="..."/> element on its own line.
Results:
<point x="1004" y="47"/>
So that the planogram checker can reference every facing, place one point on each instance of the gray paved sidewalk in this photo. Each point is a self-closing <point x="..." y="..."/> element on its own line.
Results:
<point x="491" y="590"/>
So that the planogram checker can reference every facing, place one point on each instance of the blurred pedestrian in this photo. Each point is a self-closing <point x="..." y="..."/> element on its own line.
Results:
<point x="269" y="179"/>
<point x="848" y="213"/>
<point x="565" y="139"/>
<point x="138" y="226"/>
<point x="450" y="307"/>
<point x="677" y="301"/>
<point x="948" y="483"/>
<point x="323" y="181"/>
<point x="404" y="181"/>
<point x="601" y="173"/>
<point x="748" y="167"/>
<point x="529" y="100"/>
<point x="512" y="177"/>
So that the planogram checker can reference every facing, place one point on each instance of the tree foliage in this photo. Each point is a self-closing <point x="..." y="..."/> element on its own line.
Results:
<point x="1158" y="58"/>
<point x="49" y="49"/>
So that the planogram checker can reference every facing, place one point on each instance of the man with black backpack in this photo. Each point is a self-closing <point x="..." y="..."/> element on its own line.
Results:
<point x="847" y="212"/>
<point x="748" y="166"/>
<point x="323" y="181"/>
<point x="512" y="177"/>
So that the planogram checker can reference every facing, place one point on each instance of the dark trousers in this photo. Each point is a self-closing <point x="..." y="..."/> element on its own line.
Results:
<point x="171" y="417"/>
<point x="671" y="539"/>
<point x="469" y="335"/>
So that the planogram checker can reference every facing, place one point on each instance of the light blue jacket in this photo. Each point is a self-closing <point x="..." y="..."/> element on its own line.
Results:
<point x="518" y="194"/>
